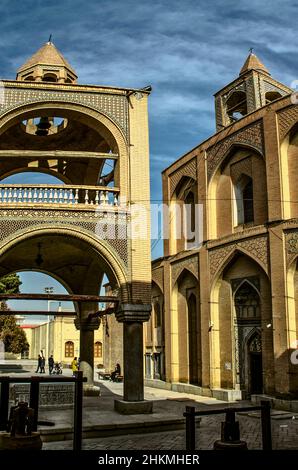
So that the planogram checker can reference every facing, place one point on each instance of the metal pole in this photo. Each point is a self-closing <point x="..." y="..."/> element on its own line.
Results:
<point x="4" y="403"/>
<point x="34" y="399"/>
<point x="190" y="428"/>
<point x="78" y="411"/>
<point x="266" y="425"/>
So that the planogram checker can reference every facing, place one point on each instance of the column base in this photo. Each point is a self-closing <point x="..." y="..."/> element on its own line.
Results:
<point x="133" y="407"/>
<point x="91" y="391"/>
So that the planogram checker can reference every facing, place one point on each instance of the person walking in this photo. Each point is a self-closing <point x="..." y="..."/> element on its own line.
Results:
<point x="38" y="364"/>
<point x="74" y="365"/>
<point x="51" y="364"/>
<point x="42" y="364"/>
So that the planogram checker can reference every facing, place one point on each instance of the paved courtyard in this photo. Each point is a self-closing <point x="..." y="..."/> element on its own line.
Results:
<point x="284" y="433"/>
<point x="168" y="406"/>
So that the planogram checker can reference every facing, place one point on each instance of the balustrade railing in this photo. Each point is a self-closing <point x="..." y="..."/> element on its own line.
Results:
<point x="59" y="194"/>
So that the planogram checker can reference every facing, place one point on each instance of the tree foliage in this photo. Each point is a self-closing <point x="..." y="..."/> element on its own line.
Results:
<point x="13" y="337"/>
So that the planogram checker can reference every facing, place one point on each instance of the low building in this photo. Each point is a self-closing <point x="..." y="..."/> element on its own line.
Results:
<point x="60" y="338"/>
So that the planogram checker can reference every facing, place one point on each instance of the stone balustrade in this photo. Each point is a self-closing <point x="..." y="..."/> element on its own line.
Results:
<point x="58" y="194"/>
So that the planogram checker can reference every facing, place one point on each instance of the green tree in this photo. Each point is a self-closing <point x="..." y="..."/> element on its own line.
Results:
<point x="11" y="334"/>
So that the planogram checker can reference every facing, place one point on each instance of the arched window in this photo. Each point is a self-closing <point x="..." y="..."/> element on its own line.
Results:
<point x="69" y="349"/>
<point x="98" y="349"/>
<point x="272" y="96"/>
<point x="247" y="302"/>
<point x="49" y="77"/>
<point x="244" y="200"/>
<point x="236" y="106"/>
<point x="157" y="315"/>
<point x="248" y="203"/>
<point x="189" y="204"/>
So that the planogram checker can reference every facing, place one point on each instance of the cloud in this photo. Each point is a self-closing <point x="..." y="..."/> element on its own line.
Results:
<point x="185" y="50"/>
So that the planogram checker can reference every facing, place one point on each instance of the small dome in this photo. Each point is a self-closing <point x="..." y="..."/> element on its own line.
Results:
<point x="49" y="65"/>
<point x="252" y="62"/>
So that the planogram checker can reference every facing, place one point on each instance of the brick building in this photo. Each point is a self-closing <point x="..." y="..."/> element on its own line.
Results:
<point x="225" y="312"/>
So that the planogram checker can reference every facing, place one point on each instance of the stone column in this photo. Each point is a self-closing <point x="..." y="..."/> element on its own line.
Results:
<point x="87" y="327"/>
<point x="132" y="316"/>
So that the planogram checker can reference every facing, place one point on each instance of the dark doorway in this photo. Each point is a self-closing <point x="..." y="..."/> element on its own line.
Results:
<point x="255" y="363"/>
<point x="256" y="376"/>
<point x="192" y="339"/>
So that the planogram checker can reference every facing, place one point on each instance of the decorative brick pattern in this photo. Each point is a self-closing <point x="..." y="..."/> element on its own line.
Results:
<point x="291" y="239"/>
<point x="257" y="247"/>
<point x="191" y="264"/>
<point x="242" y="167"/>
<point x="157" y="277"/>
<point x="189" y="169"/>
<point x="113" y="106"/>
<point x="286" y="120"/>
<point x="13" y="222"/>
<point x="251" y="136"/>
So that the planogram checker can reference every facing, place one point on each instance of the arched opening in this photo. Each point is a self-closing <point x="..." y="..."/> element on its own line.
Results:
<point x="50" y="77"/>
<point x="236" y="106"/>
<point x="190" y="221"/>
<point x="272" y="96"/>
<point x="247" y="302"/>
<point x="185" y="330"/>
<point x="244" y="200"/>
<point x="48" y="324"/>
<point x="85" y="149"/>
<point x="292" y="326"/>
<point x="155" y="337"/>
<point x="183" y="223"/>
<point x="237" y="193"/>
<point x="193" y="336"/>
<point x="255" y="369"/>
<point x="240" y="306"/>
<point x="288" y="172"/>
<point x="78" y="261"/>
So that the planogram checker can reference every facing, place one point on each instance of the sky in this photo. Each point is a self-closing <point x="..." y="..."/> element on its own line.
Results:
<point x="186" y="50"/>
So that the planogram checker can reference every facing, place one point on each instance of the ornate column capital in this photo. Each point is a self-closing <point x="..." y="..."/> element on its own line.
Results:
<point x="87" y="324"/>
<point x="133" y="312"/>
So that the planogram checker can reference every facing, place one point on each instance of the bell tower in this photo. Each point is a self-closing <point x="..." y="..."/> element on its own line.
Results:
<point x="47" y="65"/>
<point x="253" y="89"/>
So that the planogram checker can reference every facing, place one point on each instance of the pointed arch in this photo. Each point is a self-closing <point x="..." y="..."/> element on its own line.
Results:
<point x="227" y="258"/>
<point x="186" y="269"/>
<point x="220" y="188"/>
<point x="185" y="329"/>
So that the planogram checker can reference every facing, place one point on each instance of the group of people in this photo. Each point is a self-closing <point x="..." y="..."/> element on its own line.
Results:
<point x="41" y="362"/>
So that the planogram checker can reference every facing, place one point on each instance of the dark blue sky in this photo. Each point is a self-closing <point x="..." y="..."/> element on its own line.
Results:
<point x="186" y="50"/>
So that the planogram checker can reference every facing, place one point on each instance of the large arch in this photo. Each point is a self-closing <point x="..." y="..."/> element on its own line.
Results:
<point x="46" y="171"/>
<point x="101" y="248"/>
<point x="155" y="337"/>
<point x="288" y="172"/>
<point x="222" y="208"/>
<point x="186" y="330"/>
<point x="224" y="325"/>
<point x="91" y="118"/>
<point x="182" y="215"/>
<point x="292" y="320"/>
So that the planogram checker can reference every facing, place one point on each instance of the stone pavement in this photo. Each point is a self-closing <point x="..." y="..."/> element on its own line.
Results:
<point x="99" y="416"/>
<point x="169" y="404"/>
<point x="284" y="433"/>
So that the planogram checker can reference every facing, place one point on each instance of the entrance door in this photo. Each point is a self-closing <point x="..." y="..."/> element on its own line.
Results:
<point x="256" y="376"/>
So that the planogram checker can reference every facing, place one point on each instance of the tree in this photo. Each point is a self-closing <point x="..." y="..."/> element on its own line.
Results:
<point x="11" y="334"/>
